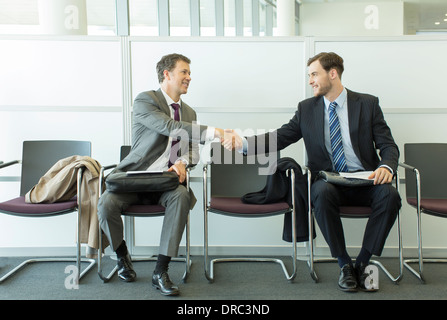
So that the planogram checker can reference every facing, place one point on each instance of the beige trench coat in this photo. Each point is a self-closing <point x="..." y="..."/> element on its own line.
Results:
<point x="60" y="184"/>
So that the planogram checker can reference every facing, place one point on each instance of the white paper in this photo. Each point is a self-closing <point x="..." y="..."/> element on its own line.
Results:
<point x="357" y="175"/>
<point x="144" y="172"/>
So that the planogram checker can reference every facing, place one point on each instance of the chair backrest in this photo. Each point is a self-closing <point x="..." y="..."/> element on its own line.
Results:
<point x="430" y="159"/>
<point x="39" y="156"/>
<point x="125" y="150"/>
<point x="233" y="175"/>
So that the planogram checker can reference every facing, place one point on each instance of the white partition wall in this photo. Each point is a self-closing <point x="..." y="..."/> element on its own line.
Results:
<point x="67" y="88"/>
<point x="249" y="85"/>
<point x="78" y="87"/>
<point x="395" y="69"/>
<point x="228" y="73"/>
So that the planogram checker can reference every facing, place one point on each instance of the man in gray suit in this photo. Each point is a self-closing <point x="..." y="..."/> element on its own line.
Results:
<point x="159" y="119"/>
<point x="362" y="130"/>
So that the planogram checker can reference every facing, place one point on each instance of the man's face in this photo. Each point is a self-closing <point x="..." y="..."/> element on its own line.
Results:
<point x="319" y="79"/>
<point x="179" y="78"/>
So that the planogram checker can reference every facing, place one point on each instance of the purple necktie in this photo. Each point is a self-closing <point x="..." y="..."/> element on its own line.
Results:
<point x="173" y="154"/>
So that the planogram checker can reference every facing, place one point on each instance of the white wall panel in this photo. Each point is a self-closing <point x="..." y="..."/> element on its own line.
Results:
<point x="247" y="84"/>
<point x="228" y="74"/>
<point x="404" y="72"/>
<point x="60" y="73"/>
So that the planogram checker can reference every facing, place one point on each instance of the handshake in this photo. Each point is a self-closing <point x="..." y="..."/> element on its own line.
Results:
<point x="229" y="139"/>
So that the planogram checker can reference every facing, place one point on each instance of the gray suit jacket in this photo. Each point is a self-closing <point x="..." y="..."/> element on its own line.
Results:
<point x="152" y="126"/>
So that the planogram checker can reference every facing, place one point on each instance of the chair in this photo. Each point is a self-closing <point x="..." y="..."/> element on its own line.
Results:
<point x="358" y="212"/>
<point x="232" y="176"/>
<point x="37" y="158"/>
<point x="138" y="210"/>
<point x="426" y="185"/>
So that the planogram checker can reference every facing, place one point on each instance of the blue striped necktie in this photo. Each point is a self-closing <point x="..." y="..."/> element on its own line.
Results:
<point x="338" y="154"/>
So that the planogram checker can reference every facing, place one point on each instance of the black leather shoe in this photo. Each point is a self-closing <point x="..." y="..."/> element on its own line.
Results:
<point x="125" y="269"/>
<point x="347" y="281"/>
<point x="162" y="282"/>
<point x="365" y="284"/>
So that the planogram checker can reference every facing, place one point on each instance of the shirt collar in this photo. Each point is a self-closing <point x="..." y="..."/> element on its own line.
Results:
<point x="341" y="99"/>
<point x="169" y="100"/>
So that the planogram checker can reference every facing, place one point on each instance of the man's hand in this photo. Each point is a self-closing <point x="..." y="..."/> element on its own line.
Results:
<point x="231" y="140"/>
<point x="180" y="168"/>
<point x="381" y="176"/>
<point x="218" y="133"/>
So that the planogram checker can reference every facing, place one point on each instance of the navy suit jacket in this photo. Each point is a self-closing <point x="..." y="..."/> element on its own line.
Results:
<point x="368" y="130"/>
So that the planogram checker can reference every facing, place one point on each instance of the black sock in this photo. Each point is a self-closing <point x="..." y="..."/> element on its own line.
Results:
<point x="344" y="259"/>
<point x="121" y="251"/>
<point x="363" y="257"/>
<point x="162" y="264"/>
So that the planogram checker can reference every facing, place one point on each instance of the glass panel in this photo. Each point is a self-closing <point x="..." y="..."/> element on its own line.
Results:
<point x="19" y="17"/>
<point x="378" y="18"/>
<point x="101" y="17"/>
<point x="97" y="17"/>
<point x="57" y="17"/>
<point x="262" y="19"/>
<point x="248" y="31"/>
<point x="143" y="15"/>
<point x="207" y="18"/>
<point x="229" y="17"/>
<point x="179" y="12"/>
<point x="430" y="17"/>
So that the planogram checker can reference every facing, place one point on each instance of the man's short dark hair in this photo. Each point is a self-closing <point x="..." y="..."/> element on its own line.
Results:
<point x="329" y="60"/>
<point x="169" y="62"/>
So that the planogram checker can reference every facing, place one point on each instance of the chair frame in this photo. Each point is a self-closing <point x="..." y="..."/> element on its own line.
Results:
<point x="78" y="259"/>
<point x="394" y="279"/>
<point x="420" y="260"/>
<point x="186" y="260"/>
<point x="209" y="264"/>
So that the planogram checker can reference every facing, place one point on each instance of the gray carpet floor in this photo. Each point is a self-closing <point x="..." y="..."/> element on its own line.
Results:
<point x="233" y="281"/>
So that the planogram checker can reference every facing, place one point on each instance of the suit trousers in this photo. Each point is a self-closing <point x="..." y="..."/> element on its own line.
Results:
<point x="384" y="201"/>
<point x="176" y="202"/>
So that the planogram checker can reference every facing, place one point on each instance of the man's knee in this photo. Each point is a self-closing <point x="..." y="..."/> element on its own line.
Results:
<point x="182" y="194"/>
<point x="322" y="191"/>
<point x="109" y="204"/>
<point x="387" y="192"/>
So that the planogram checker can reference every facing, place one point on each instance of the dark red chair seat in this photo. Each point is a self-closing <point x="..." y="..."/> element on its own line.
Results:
<point x="18" y="207"/>
<point x="355" y="211"/>
<point x="437" y="207"/>
<point x="234" y="205"/>
<point x="426" y="179"/>
<point x="37" y="158"/>
<point x="144" y="210"/>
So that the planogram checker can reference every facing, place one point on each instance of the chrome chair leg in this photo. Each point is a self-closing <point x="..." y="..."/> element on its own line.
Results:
<point x="312" y="260"/>
<point x="209" y="264"/>
<point x="186" y="260"/>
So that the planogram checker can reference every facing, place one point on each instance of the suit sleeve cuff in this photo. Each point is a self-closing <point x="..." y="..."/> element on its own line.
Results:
<point x="385" y="166"/>
<point x="209" y="134"/>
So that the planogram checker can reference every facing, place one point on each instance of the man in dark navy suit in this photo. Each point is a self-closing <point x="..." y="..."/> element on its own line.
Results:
<point x="362" y="130"/>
